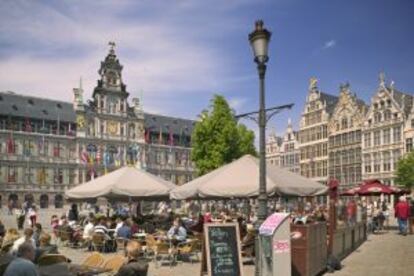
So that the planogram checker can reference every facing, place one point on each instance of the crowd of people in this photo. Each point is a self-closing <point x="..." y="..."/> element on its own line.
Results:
<point x="79" y="226"/>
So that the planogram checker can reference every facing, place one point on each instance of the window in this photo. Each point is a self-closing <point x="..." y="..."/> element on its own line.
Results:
<point x="12" y="174"/>
<point x="367" y="139"/>
<point x="386" y="136"/>
<point x="58" y="176"/>
<point x="412" y="123"/>
<point x="377" y="138"/>
<point x="409" y="144"/>
<point x="56" y="149"/>
<point x="387" y="115"/>
<point x="386" y="161"/>
<point x="377" y="161"/>
<point x="397" y="134"/>
<point x="42" y="176"/>
<point x="367" y="162"/>
<point x="377" y="117"/>
<point x="396" y="155"/>
<point x="344" y="123"/>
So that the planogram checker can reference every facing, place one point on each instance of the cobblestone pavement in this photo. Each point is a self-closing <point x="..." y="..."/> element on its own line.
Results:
<point x="387" y="254"/>
<point x="77" y="255"/>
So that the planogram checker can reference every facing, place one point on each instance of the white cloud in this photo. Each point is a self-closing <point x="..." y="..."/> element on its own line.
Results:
<point x="48" y="47"/>
<point x="329" y="44"/>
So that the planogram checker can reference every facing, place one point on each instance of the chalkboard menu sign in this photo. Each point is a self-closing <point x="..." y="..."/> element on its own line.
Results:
<point x="223" y="249"/>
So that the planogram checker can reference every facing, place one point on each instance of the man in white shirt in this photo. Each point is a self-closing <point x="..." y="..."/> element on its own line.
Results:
<point x="89" y="230"/>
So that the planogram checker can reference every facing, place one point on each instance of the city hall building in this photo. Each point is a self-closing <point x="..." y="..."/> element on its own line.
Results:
<point x="48" y="146"/>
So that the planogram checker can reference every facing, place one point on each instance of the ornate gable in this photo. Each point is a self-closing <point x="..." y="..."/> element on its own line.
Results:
<point x="348" y="113"/>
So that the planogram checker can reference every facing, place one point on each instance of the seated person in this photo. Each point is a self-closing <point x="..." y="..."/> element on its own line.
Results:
<point x="45" y="247"/>
<point x="177" y="231"/>
<point x="134" y="266"/>
<point x="124" y="231"/>
<point x="37" y="233"/>
<point x="101" y="228"/>
<point x="89" y="229"/>
<point x="23" y="265"/>
<point x="11" y="236"/>
<point x="27" y="237"/>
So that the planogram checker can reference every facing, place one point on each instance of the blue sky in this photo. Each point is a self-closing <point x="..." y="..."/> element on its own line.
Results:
<point x="180" y="53"/>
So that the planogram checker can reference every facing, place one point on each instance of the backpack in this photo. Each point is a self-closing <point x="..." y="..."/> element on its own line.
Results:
<point x="333" y="264"/>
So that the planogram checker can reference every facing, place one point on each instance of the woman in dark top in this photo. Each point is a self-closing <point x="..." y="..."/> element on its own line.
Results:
<point x="73" y="213"/>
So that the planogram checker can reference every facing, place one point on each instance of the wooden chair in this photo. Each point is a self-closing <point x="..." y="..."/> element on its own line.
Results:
<point x="114" y="263"/>
<point x="94" y="260"/>
<point x="98" y="242"/>
<point x="165" y="251"/>
<point x="189" y="249"/>
<point x="121" y="244"/>
<point x="151" y="245"/>
<point x="50" y="259"/>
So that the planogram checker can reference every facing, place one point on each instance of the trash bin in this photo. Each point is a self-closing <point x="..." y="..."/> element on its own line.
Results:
<point x="274" y="245"/>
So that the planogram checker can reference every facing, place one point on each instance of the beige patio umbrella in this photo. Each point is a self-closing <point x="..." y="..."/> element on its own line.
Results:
<point x="240" y="179"/>
<point x="126" y="182"/>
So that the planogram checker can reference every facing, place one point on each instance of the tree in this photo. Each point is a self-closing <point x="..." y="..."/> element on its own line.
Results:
<point x="405" y="170"/>
<point x="217" y="139"/>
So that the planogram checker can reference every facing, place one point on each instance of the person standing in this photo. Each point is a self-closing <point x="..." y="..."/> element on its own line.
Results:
<point x="402" y="213"/>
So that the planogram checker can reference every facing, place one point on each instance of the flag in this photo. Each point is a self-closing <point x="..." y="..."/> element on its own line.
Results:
<point x="10" y="144"/>
<point x="27" y="125"/>
<point x="171" y="138"/>
<point x="98" y="155"/>
<point x="147" y="135"/>
<point x="84" y="157"/>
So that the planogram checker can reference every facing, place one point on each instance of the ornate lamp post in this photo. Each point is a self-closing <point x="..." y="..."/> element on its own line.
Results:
<point x="259" y="40"/>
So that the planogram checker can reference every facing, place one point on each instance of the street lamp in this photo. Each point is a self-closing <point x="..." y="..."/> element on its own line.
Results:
<point x="259" y="40"/>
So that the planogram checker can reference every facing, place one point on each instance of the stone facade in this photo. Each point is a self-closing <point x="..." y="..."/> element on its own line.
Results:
<point x="48" y="146"/>
<point x="285" y="153"/>
<point x="273" y="148"/>
<point x="313" y="133"/>
<point x="345" y="142"/>
<point x="383" y="132"/>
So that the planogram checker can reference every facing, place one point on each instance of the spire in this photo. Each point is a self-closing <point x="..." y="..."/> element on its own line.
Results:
<point x="111" y="47"/>
<point x="382" y="79"/>
<point x="80" y="83"/>
<point x="313" y="84"/>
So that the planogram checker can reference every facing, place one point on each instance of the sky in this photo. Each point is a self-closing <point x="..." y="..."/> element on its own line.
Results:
<point x="178" y="54"/>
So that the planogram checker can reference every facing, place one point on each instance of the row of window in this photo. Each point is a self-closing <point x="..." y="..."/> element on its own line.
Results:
<point x="41" y="176"/>
<point x="313" y="118"/>
<point x="313" y="151"/>
<point x="314" y="169"/>
<point x="313" y="134"/>
<point x="43" y="127"/>
<point x="41" y="147"/>
<point x="382" y="137"/>
<point x="345" y="139"/>
<point x="346" y="174"/>
<point x="345" y="157"/>
<point x="385" y="161"/>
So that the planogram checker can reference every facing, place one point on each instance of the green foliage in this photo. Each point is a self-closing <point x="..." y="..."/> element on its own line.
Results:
<point x="405" y="170"/>
<point x="217" y="139"/>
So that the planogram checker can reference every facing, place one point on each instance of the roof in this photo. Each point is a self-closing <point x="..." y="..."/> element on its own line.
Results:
<point x="403" y="99"/>
<point x="12" y="104"/>
<point x="178" y="126"/>
<point x="17" y="105"/>
<point x="330" y="100"/>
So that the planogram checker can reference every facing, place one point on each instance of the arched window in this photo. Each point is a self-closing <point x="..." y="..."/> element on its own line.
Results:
<point x="387" y="115"/>
<point x="344" y="123"/>
<point x="377" y="117"/>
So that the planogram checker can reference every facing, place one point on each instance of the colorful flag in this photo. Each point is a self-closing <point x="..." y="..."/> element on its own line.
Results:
<point x="84" y="157"/>
<point x="147" y="135"/>
<point x="10" y="144"/>
<point x="98" y="155"/>
<point x="27" y="125"/>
